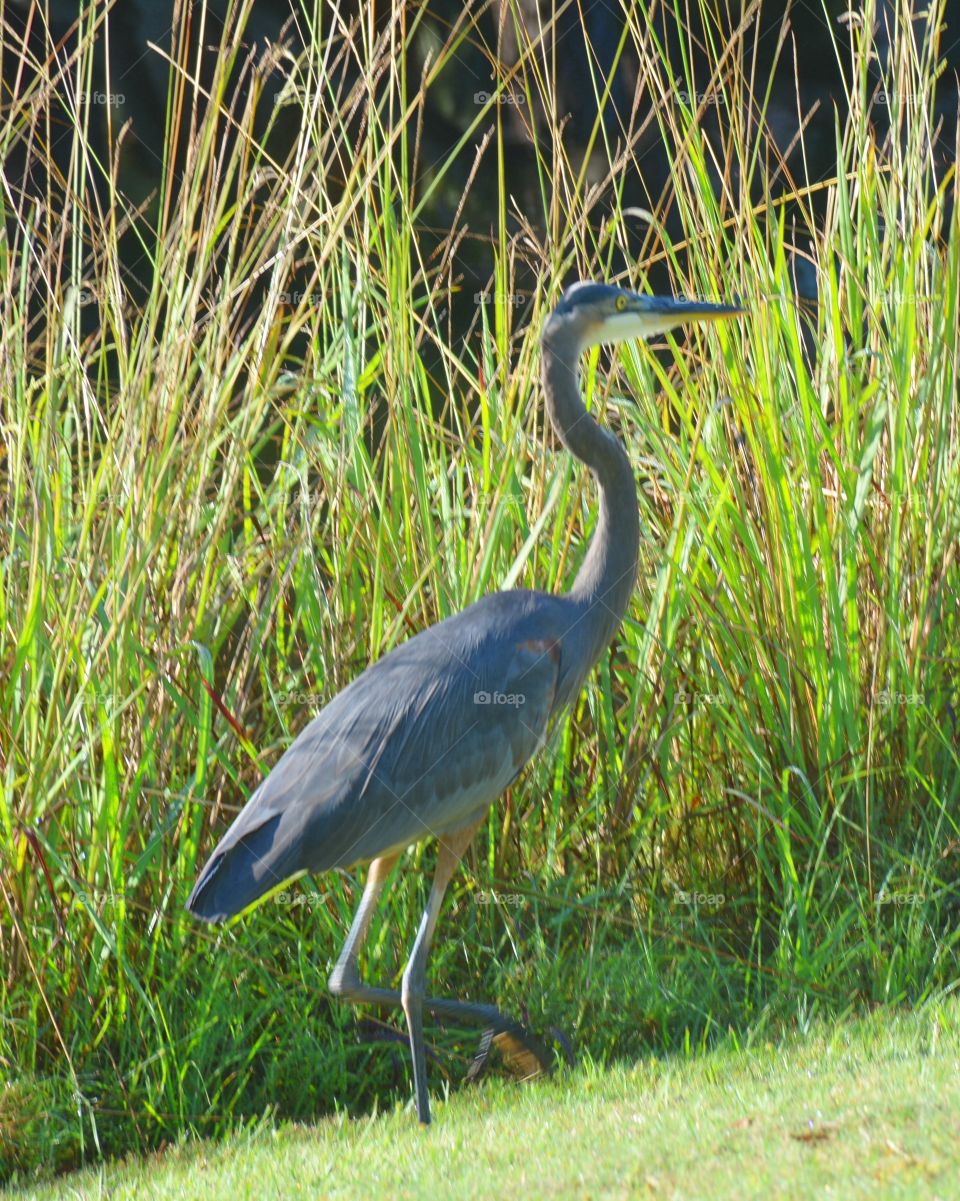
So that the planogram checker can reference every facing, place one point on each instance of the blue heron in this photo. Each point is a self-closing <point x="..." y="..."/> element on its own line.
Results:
<point x="423" y="741"/>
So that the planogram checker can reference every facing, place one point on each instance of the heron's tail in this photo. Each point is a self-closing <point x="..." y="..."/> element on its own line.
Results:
<point x="237" y="875"/>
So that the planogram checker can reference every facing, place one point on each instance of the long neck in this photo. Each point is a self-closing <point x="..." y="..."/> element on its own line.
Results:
<point x="608" y="574"/>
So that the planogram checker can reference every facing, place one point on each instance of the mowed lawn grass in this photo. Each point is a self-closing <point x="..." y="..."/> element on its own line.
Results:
<point x="853" y="1109"/>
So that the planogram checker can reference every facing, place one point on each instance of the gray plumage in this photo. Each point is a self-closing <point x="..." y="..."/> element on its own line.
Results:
<point x="420" y="743"/>
<point x="426" y="739"/>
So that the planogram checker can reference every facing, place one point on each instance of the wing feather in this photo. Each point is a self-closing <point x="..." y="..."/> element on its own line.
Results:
<point x="420" y="744"/>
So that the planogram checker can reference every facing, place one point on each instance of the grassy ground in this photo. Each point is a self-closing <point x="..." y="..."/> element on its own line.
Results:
<point x="855" y="1109"/>
<point x="230" y="483"/>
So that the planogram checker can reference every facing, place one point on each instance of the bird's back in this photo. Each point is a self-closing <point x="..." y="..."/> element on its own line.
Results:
<point x="421" y="743"/>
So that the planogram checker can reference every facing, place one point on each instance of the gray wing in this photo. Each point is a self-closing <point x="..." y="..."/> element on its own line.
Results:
<point x="420" y="744"/>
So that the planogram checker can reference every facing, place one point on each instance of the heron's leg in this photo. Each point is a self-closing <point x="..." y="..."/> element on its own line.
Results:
<point x="345" y="982"/>
<point x="413" y="986"/>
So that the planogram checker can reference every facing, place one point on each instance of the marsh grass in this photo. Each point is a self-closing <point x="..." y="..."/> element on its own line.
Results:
<point x="224" y="497"/>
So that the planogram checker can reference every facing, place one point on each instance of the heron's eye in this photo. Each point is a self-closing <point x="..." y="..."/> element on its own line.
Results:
<point x="621" y="303"/>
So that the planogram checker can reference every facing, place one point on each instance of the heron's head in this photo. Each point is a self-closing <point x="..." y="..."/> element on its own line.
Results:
<point x="600" y="314"/>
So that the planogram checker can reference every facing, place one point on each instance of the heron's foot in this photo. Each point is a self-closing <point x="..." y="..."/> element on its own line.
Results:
<point x="346" y="985"/>
<point x="524" y="1053"/>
